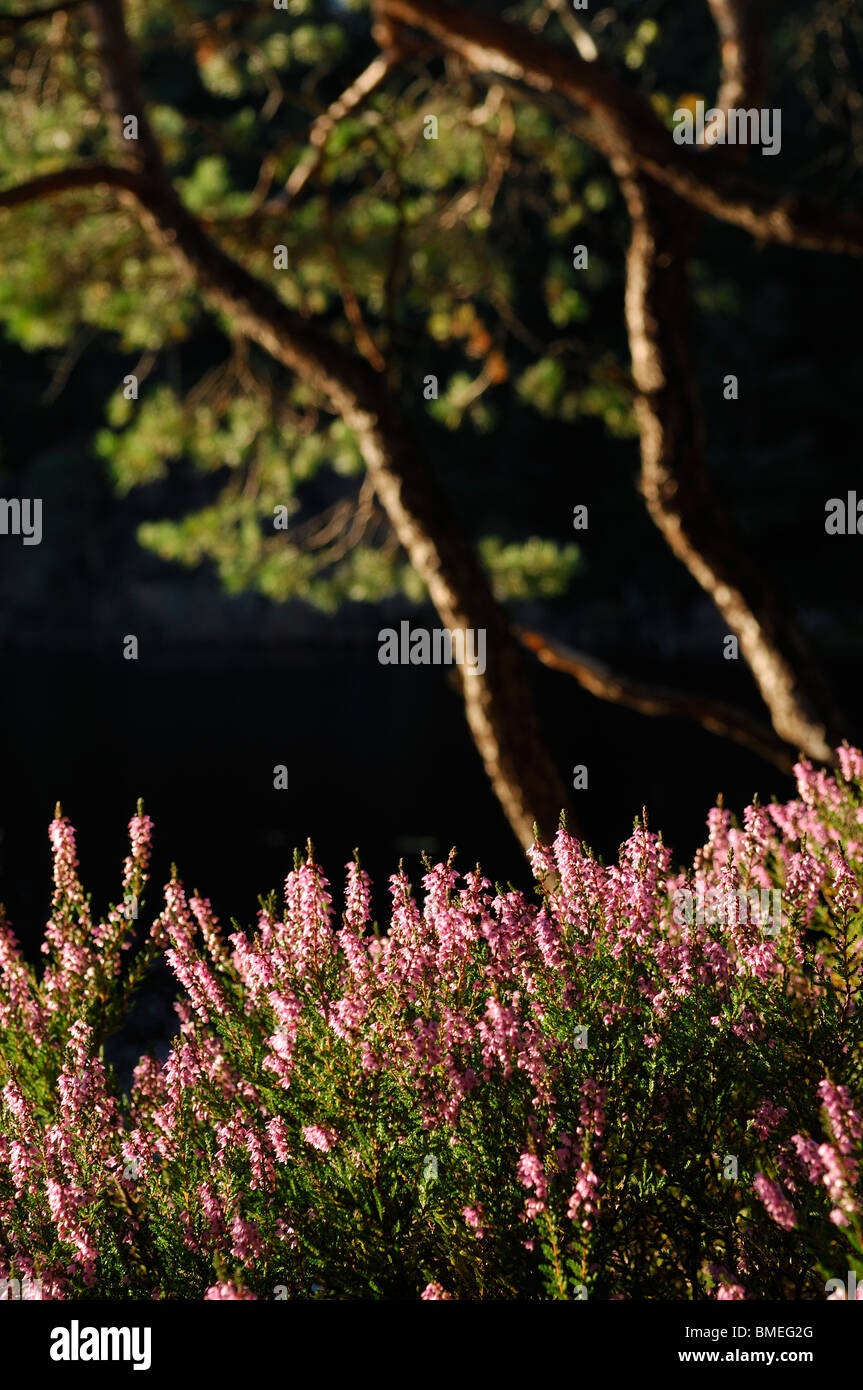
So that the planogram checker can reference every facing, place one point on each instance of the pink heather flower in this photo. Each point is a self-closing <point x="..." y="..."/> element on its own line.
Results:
<point x="845" y="1122"/>
<point x="581" y="1203"/>
<point x="580" y="878"/>
<point x="851" y="763"/>
<point x="288" y="1011"/>
<point x="175" y="921"/>
<point x="759" y="831"/>
<point x="564" y="1154"/>
<point x="477" y="979"/>
<point x="499" y="1034"/>
<point x="279" y="1138"/>
<point x="247" y="1240"/>
<point x="451" y="928"/>
<point x="177" y="925"/>
<point x="532" y="1174"/>
<point x="807" y="1152"/>
<point x="306" y="929"/>
<point x="767" y="1117"/>
<point x="64" y="1203"/>
<point x="542" y="862"/>
<point x="254" y="966"/>
<point x="809" y="782"/>
<point x="747" y="1026"/>
<point x="195" y="977"/>
<point x="202" y="911"/>
<point x="140" y="840"/>
<point x="19" y="1008"/>
<point x="212" y="1209"/>
<point x="727" y="1287"/>
<point x="67" y="887"/>
<point x="474" y="1218"/>
<point x="350" y="936"/>
<point x="235" y="1136"/>
<point x="777" y="1204"/>
<point x="591" y="1107"/>
<point x="357" y="898"/>
<point x="549" y="939"/>
<point x="836" y="1177"/>
<point x="846" y="892"/>
<point x="633" y="889"/>
<point x="68" y="930"/>
<point x="319" y="1137"/>
<point x="20" y="1107"/>
<point x="22" y="1163"/>
<point x="718" y="825"/>
<point x="286" y="1233"/>
<point x="804" y="876"/>
<point x="263" y="1173"/>
<point x="473" y="894"/>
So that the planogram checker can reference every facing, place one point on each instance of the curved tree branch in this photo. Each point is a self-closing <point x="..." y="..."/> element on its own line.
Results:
<point x="629" y="123"/>
<point x="498" y="702"/>
<point x="64" y="180"/>
<point x="713" y="715"/>
<point x="674" y="479"/>
<point x="359" y="91"/>
<point x="743" y="55"/>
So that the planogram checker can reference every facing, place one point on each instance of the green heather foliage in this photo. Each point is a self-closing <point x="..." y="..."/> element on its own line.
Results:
<point x="645" y="1084"/>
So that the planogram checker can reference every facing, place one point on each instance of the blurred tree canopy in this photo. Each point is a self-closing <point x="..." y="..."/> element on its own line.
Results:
<point x="391" y="233"/>
<point x="421" y="209"/>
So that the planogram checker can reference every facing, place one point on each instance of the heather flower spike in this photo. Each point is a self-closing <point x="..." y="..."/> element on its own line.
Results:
<point x="532" y="1044"/>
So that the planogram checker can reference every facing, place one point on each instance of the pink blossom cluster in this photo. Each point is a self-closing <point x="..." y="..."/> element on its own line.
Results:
<point x="557" y="1055"/>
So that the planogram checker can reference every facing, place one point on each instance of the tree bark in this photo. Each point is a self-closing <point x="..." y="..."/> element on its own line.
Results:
<point x="742" y="54"/>
<point x="674" y="480"/>
<point x="498" y="704"/>
<point x="629" y="122"/>
<point x="675" y="483"/>
<point x="715" y="716"/>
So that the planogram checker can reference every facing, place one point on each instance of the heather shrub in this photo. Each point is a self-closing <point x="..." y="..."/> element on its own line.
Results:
<point x="644" y="1083"/>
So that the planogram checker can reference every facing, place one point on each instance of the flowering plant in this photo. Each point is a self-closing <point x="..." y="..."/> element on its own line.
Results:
<point x="587" y="1095"/>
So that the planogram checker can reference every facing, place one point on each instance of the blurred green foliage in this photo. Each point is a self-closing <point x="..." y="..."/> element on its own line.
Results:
<point x="455" y="252"/>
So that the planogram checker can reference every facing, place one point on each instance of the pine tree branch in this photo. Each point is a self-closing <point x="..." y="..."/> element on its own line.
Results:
<point x="64" y="180"/>
<point x="628" y="124"/>
<point x="714" y="715"/>
<point x="498" y="702"/>
<point x="742" y="53"/>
